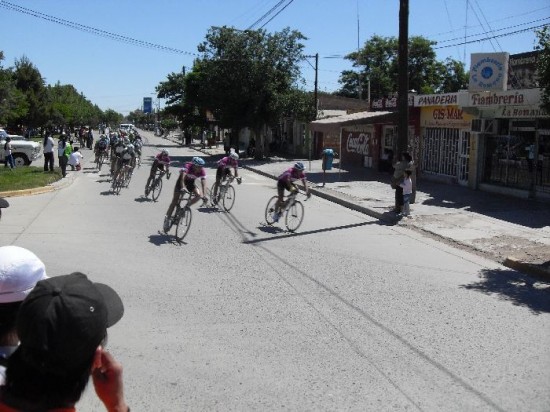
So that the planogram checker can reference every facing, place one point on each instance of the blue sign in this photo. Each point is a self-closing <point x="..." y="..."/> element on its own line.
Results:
<point x="147" y="104"/>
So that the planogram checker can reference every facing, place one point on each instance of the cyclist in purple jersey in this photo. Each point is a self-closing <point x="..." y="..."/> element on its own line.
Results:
<point x="224" y="170"/>
<point x="188" y="174"/>
<point x="286" y="181"/>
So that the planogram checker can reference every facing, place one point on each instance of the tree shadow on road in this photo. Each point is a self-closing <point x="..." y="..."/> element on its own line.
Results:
<point x="515" y="287"/>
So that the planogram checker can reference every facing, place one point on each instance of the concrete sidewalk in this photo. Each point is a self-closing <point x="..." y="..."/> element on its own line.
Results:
<point x="512" y="231"/>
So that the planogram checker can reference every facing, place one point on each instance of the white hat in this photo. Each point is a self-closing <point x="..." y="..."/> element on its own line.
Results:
<point x="20" y="269"/>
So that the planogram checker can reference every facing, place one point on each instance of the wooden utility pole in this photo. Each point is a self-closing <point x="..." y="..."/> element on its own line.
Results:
<point x="403" y="86"/>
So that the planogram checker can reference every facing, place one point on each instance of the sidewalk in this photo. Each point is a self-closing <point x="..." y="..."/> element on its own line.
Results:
<point x="512" y="231"/>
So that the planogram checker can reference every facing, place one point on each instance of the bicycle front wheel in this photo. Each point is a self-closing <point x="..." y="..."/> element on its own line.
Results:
<point x="228" y="198"/>
<point x="214" y="189"/>
<point x="270" y="210"/>
<point x="294" y="216"/>
<point x="155" y="190"/>
<point x="118" y="182"/>
<point x="183" y="223"/>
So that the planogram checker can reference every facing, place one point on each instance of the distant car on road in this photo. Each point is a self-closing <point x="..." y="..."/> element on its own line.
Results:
<point x="24" y="151"/>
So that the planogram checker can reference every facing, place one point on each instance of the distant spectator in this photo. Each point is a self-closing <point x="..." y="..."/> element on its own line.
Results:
<point x="75" y="159"/>
<point x="20" y="269"/>
<point x="62" y="326"/>
<point x="8" y="154"/>
<point x="407" y="187"/>
<point x="62" y="158"/>
<point x="48" y="152"/>
<point x="404" y="162"/>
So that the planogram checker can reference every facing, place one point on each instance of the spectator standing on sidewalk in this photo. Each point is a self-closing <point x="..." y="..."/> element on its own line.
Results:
<point x="62" y="325"/>
<point x="404" y="162"/>
<point x="61" y="146"/>
<point x="8" y="155"/>
<point x="407" y="187"/>
<point x="20" y="269"/>
<point x="48" y="152"/>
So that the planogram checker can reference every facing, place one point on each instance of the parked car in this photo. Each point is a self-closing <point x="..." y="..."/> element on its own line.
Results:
<point x="24" y="151"/>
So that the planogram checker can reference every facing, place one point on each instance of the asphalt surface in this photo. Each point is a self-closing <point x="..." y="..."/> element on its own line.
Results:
<point x="514" y="232"/>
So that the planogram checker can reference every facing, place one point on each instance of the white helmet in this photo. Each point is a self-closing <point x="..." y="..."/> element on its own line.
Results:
<point x="234" y="156"/>
<point x="165" y="152"/>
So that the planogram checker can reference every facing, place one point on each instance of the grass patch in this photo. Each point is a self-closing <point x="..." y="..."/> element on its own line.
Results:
<point x="26" y="178"/>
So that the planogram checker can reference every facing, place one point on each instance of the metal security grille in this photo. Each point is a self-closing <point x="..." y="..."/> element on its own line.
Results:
<point x="440" y="151"/>
<point x="464" y="158"/>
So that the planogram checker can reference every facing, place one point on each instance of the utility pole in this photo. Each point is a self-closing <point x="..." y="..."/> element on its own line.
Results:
<point x="403" y="74"/>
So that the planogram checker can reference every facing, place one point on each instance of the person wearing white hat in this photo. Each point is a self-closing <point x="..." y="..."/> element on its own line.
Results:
<point x="20" y="270"/>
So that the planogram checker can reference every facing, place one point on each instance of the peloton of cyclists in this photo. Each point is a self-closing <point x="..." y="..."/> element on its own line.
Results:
<point x="286" y="181"/>
<point x="192" y="171"/>
<point x="224" y="169"/>
<point x="161" y="162"/>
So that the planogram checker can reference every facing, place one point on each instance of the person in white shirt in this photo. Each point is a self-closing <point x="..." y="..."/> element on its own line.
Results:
<point x="75" y="158"/>
<point x="48" y="152"/>
<point x="407" y="192"/>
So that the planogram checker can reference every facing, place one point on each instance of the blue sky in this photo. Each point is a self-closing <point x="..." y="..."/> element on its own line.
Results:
<point x="118" y="74"/>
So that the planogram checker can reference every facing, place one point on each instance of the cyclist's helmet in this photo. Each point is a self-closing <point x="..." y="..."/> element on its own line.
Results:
<point x="234" y="156"/>
<point x="165" y="152"/>
<point x="198" y="161"/>
<point x="299" y="166"/>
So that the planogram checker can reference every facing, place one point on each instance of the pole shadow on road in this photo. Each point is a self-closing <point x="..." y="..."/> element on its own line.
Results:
<point x="520" y="289"/>
<point x="277" y="229"/>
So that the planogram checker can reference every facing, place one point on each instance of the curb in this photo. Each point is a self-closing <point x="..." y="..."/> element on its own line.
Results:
<point x="527" y="268"/>
<point x="57" y="185"/>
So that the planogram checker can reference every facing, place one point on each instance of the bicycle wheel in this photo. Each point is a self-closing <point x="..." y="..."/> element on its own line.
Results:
<point x="156" y="188"/>
<point x="294" y="216"/>
<point x="270" y="210"/>
<point x="183" y="222"/>
<point x="118" y="182"/>
<point x="228" y="197"/>
<point x="215" y="189"/>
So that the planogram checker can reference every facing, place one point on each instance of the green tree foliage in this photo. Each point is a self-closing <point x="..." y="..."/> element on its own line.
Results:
<point x="377" y="61"/>
<point x="543" y="68"/>
<point x="245" y="78"/>
<point x="30" y="82"/>
<point x="12" y="101"/>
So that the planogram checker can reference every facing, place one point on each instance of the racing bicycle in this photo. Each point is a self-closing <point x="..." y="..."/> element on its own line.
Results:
<point x="181" y="217"/>
<point x="225" y="193"/>
<point x="292" y="209"/>
<point x="155" y="186"/>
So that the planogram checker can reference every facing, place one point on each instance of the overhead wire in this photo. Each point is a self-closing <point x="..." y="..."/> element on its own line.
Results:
<point x="92" y="30"/>
<point x="279" y="12"/>
<point x="266" y="14"/>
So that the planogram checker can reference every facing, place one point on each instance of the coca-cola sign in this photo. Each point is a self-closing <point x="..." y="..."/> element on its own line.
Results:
<point x="359" y="143"/>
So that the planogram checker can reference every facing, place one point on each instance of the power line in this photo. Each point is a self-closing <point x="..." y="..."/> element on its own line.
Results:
<point x="266" y="15"/>
<point x="279" y="12"/>
<point x="92" y="30"/>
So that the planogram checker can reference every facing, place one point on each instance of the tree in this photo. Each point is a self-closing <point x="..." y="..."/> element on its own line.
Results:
<point x="245" y="77"/>
<point x="30" y="82"/>
<point x="543" y="67"/>
<point x="12" y="101"/>
<point x="377" y="62"/>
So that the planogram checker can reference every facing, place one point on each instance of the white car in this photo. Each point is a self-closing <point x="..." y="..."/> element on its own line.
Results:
<point x="24" y="151"/>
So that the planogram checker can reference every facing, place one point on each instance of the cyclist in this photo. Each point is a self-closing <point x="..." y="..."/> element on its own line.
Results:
<point x="286" y="181"/>
<point x="101" y="146"/>
<point x="188" y="174"/>
<point x="162" y="159"/>
<point x="224" y="170"/>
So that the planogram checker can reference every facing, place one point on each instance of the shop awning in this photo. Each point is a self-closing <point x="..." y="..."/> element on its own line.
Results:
<point x="355" y="118"/>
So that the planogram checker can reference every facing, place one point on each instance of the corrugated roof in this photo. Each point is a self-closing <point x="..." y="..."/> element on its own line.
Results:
<point x="353" y="117"/>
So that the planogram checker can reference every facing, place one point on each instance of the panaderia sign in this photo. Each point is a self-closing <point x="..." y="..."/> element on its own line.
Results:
<point x="444" y="99"/>
<point x="445" y="116"/>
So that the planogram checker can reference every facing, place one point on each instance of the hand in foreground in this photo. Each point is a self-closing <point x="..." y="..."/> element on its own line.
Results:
<point x="108" y="384"/>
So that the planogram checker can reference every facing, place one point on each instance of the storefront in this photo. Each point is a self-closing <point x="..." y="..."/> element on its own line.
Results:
<point x="446" y="141"/>
<point x="514" y="140"/>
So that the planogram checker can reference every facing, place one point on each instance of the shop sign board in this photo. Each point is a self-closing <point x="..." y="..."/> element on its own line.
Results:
<point x="488" y="71"/>
<point x="445" y="117"/>
<point x="521" y="112"/>
<point x="443" y="99"/>
<point x="525" y="97"/>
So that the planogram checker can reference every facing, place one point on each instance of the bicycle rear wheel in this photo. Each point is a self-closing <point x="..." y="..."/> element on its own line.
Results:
<point x="118" y="182"/>
<point x="294" y="216"/>
<point x="228" y="198"/>
<point x="156" y="188"/>
<point x="270" y="210"/>
<point x="183" y="222"/>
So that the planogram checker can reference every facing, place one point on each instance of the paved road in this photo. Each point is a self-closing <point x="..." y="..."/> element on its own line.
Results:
<point x="347" y="314"/>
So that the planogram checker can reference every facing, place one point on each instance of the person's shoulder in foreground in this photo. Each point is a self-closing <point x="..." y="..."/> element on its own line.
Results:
<point x="62" y="325"/>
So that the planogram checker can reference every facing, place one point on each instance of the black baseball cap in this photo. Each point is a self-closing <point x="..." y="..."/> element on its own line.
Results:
<point x="64" y="319"/>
